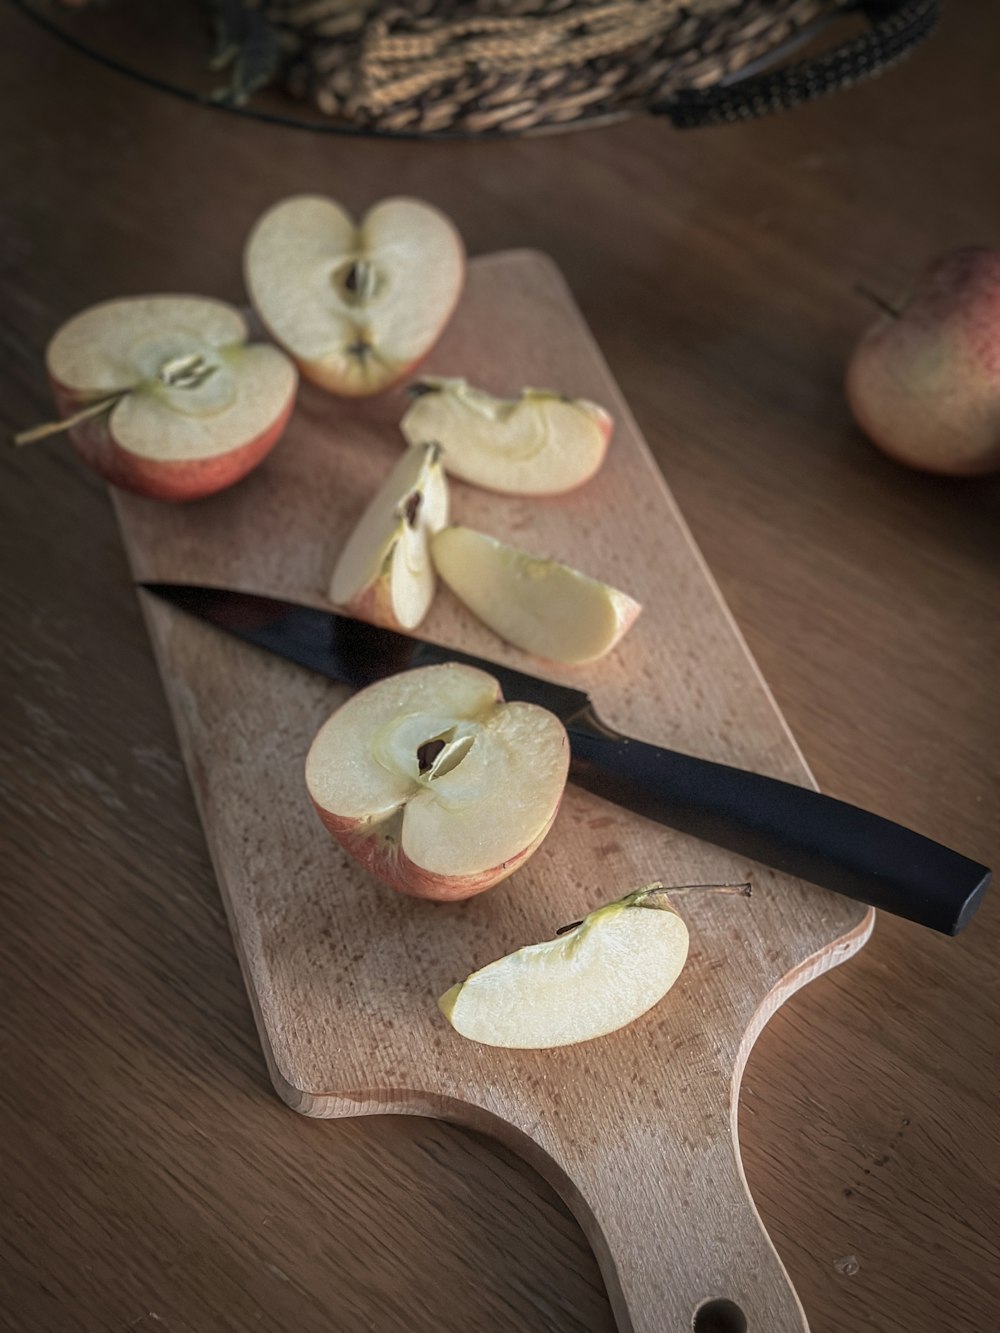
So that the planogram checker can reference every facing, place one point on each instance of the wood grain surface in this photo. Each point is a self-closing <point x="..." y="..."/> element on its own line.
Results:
<point x="717" y="271"/>
<point x="637" y="1130"/>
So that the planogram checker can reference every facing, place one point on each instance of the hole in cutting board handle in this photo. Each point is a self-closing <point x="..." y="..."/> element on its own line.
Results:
<point x="719" y="1316"/>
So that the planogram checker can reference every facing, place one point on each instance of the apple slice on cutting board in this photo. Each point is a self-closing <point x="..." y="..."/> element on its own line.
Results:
<point x="384" y="573"/>
<point x="539" y="605"/>
<point x="162" y="395"/>
<point x="540" y="443"/>
<point x="596" y="976"/>
<point x="356" y="304"/>
<point x="438" y="787"/>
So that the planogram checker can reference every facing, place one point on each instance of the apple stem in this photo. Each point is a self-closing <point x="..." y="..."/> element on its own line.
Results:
<point x="57" y="427"/>
<point x="744" y="890"/>
<point x="885" y="306"/>
<point x="658" y="890"/>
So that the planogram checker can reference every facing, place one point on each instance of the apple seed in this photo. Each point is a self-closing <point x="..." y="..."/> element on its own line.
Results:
<point x="412" y="508"/>
<point x="359" y="281"/>
<point x="186" y="372"/>
<point x="427" y="753"/>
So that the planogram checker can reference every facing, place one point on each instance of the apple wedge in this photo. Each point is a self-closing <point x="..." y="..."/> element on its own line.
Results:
<point x="540" y="443"/>
<point x="384" y="573"/>
<point x="356" y="305"/>
<point x="539" y="605"/>
<point x="595" y="977"/>
<point x="162" y="394"/>
<point x="438" y="787"/>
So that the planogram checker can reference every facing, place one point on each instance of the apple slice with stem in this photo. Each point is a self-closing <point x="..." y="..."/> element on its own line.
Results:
<point x="596" y="976"/>
<point x="163" y="395"/>
<point x="537" y="604"/>
<point x="356" y="304"/>
<point x="540" y="443"/>
<point x="384" y="573"/>
<point x="435" y="784"/>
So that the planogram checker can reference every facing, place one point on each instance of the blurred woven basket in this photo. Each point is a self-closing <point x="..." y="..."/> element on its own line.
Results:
<point x="472" y="67"/>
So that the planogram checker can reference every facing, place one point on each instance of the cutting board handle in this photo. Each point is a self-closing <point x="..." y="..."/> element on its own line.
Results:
<point x="668" y="1214"/>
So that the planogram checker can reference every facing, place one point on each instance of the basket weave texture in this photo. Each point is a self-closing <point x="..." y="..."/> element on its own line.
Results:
<point x="479" y="66"/>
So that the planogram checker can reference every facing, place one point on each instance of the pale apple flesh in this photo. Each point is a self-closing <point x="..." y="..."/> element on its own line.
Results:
<point x="356" y="305"/>
<point x="384" y="573"/>
<point x="924" y="382"/>
<point x="539" y="605"/>
<point x="600" y="975"/>
<point x="190" y="406"/>
<point x="435" y="784"/>
<point x="540" y="443"/>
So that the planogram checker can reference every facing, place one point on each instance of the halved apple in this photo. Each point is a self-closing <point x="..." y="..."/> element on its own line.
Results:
<point x="434" y="784"/>
<point x="595" y="977"/>
<point x="163" y="395"/>
<point x="540" y="605"/>
<point x="385" y="574"/>
<point x="356" y="305"/>
<point x="540" y="443"/>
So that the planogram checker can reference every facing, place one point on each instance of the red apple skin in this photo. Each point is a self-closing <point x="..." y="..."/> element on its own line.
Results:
<point x="383" y="857"/>
<point x="374" y="604"/>
<point x="925" y="385"/>
<point x="173" y="480"/>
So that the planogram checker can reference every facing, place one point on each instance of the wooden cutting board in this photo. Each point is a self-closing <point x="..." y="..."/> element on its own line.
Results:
<point x="638" y="1129"/>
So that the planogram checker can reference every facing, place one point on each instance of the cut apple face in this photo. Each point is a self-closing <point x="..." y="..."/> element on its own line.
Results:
<point x="438" y="787"/>
<point x="539" y="605"/>
<point x="163" y="396"/>
<point x="385" y="573"/>
<point x="540" y="443"/>
<point x="596" y="977"/>
<point x="356" y="305"/>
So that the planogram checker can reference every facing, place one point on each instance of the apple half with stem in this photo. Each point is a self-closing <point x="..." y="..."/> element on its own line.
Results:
<point x="163" y="395"/>
<point x="540" y="443"/>
<point x="356" y="304"/>
<point x="537" y="604"/>
<point x="596" y="976"/>
<point x="385" y="574"/>
<point x="435" y="784"/>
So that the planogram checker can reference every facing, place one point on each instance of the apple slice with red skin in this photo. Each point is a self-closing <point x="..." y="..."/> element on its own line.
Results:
<point x="384" y="573"/>
<point x="163" y="395"/>
<point x="539" y="605"/>
<point x="356" y="304"/>
<point x="435" y="784"/>
<point x="539" y="443"/>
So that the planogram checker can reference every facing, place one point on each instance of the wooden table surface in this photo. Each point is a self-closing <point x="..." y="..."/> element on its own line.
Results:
<point x="149" y="1176"/>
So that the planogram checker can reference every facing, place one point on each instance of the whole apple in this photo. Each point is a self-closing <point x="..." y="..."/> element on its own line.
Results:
<point x="924" y="381"/>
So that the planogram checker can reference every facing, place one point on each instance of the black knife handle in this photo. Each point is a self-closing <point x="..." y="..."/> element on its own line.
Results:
<point x="795" y="829"/>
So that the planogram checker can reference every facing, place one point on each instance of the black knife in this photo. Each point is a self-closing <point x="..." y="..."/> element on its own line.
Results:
<point x="793" y="829"/>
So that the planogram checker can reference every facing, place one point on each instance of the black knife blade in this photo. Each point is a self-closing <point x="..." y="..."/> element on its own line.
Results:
<point x="791" y="828"/>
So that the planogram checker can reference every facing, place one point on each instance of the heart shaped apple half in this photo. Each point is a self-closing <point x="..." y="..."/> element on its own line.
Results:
<point x="163" y="395"/>
<point x="356" y="304"/>
<point x="435" y="784"/>
<point x="540" y="443"/>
